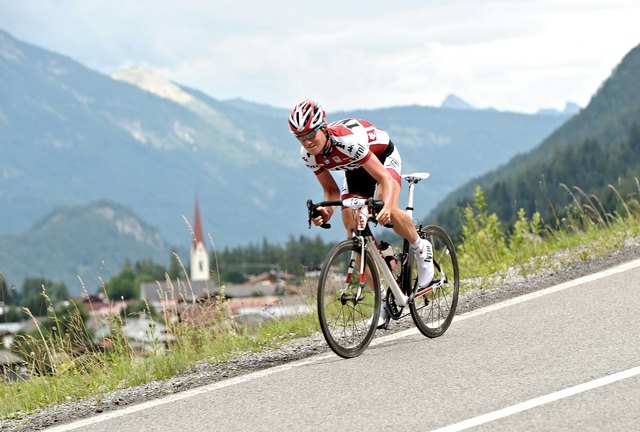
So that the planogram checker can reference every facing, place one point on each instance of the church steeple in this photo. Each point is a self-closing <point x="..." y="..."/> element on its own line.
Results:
<point x="199" y="255"/>
<point x="197" y="227"/>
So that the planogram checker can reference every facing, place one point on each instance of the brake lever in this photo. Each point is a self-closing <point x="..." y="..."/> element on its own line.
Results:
<point x="374" y="214"/>
<point x="313" y="212"/>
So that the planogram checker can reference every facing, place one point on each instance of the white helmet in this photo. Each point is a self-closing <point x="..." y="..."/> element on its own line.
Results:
<point x="305" y="117"/>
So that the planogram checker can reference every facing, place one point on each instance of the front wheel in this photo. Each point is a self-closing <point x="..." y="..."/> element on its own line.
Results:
<point x="348" y="310"/>
<point x="433" y="307"/>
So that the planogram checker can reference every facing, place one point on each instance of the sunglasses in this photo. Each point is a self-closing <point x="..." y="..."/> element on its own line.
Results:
<point x="309" y="136"/>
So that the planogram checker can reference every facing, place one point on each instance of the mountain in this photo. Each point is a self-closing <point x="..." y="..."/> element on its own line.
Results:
<point x="597" y="147"/>
<point x="454" y="102"/>
<point x="70" y="136"/>
<point x="81" y="242"/>
<point x="570" y="108"/>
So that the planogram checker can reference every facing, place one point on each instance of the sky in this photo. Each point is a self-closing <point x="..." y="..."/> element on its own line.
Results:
<point x="512" y="55"/>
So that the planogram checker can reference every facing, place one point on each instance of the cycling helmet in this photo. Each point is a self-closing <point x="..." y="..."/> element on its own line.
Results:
<point x="305" y="117"/>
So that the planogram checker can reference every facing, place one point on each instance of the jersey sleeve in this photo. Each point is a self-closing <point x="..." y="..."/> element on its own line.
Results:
<point x="310" y="161"/>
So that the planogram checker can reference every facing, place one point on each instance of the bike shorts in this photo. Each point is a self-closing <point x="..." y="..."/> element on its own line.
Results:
<point x="359" y="183"/>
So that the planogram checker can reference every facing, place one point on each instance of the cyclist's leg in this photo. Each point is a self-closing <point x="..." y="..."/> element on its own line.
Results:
<point x="403" y="225"/>
<point x="357" y="183"/>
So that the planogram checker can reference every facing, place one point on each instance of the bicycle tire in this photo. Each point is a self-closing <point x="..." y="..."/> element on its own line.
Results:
<point x="433" y="311"/>
<point x="348" y="323"/>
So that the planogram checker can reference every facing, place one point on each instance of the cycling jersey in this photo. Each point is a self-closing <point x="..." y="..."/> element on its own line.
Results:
<point x="353" y="142"/>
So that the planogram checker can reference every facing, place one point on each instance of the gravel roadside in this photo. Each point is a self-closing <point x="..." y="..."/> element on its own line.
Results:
<point x="505" y="287"/>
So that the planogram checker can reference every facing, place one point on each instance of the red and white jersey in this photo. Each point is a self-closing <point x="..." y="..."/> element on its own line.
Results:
<point x="353" y="142"/>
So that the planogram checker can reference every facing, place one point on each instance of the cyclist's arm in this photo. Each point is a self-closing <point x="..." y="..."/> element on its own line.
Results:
<point x="331" y="193"/>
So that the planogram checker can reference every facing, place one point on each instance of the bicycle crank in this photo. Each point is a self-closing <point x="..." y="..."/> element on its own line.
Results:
<point x="394" y="310"/>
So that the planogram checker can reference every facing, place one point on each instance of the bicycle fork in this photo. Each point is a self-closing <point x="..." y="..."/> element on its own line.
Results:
<point x="361" y="281"/>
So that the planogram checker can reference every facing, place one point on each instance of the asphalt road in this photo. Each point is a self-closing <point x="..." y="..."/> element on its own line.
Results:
<point x="564" y="358"/>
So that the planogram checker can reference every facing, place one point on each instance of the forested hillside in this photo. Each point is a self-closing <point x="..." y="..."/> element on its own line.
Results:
<point x="79" y="245"/>
<point x="597" y="148"/>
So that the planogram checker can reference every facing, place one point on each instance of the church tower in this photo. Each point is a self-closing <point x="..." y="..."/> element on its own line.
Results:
<point x="199" y="256"/>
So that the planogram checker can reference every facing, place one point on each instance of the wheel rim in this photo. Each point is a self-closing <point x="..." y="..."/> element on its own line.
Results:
<point x="433" y="309"/>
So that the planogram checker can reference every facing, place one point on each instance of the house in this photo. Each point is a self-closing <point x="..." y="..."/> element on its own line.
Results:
<point x="8" y="331"/>
<point x="11" y="366"/>
<point x="163" y="295"/>
<point x="143" y="335"/>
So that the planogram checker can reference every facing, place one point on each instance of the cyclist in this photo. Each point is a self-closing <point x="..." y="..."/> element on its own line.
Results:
<point x="369" y="160"/>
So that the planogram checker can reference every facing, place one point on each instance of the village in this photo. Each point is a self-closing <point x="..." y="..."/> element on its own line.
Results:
<point x="196" y="300"/>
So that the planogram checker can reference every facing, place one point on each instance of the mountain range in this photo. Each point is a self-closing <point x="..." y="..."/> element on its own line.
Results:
<point x="71" y="137"/>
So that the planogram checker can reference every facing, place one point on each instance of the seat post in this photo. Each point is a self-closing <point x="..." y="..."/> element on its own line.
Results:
<point x="409" y="209"/>
<point x="412" y="179"/>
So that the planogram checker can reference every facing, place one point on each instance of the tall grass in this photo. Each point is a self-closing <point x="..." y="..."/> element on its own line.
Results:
<point x="64" y="365"/>
<point x="586" y="230"/>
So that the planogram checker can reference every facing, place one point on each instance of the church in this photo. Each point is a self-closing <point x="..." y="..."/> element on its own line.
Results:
<point x="198" y="286"/>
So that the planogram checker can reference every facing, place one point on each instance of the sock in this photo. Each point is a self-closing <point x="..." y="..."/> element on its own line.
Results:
<point x="383" y="295"/>
<point x="424" y="258"/>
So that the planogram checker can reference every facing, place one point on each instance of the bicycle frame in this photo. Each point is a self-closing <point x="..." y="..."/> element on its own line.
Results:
<point x="347" y="313"/>
<point x="365" y="237"/>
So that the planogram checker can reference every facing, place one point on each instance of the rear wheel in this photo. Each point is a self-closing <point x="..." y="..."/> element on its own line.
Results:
<point x="433" y="307"/>
<point x="348" y="310"/>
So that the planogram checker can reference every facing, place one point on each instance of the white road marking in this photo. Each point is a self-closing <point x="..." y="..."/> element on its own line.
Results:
<point x="277" y="369"/>
<point x="539" y="401"/>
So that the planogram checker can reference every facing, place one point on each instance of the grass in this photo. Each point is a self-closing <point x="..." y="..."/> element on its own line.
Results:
<point x="97" y="373"/>
<point x="58" y="374"/>
<point x="531" y="245"/>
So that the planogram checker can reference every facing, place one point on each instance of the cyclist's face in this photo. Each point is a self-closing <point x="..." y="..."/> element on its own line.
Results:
<point x="314" y="143"/>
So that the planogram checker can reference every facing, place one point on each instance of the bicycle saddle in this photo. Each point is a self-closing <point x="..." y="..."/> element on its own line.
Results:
<point x="415" y="177"/>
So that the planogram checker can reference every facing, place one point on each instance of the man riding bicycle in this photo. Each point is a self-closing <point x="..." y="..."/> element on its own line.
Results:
<point x="369" y="159"/>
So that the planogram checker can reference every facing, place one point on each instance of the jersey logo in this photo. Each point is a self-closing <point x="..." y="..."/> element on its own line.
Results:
<point x="337" y="159"/>
<point x="371" y="134"/>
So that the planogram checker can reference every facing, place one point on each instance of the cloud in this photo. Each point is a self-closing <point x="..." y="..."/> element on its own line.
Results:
<point x="513" y="55"/>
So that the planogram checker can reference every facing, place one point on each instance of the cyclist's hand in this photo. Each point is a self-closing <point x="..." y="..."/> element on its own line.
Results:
<point x="384" y="216"/>
<point x="323" y="218"/>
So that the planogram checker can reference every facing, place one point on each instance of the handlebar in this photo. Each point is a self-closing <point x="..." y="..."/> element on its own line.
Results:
<point x="373" y="204"/>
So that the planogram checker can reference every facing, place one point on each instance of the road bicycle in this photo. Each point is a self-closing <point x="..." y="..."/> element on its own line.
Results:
<point x="349" y="284"/>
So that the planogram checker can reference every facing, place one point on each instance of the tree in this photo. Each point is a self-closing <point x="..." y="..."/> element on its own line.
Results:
<point x="123" y="285"/>
<point x="39" y="294"/>
<point x="175" y="269"/>
<point x="8" y="293"/>
<point x="9" y="301"/>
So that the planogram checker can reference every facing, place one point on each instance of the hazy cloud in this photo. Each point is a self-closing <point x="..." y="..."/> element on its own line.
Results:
<point x="517" y="55"/>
